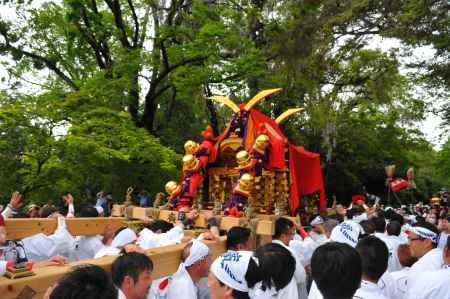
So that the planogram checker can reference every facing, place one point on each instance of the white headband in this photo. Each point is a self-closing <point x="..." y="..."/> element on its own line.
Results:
<point x="424" y="233"/>
<point x="123" y="238"/>
<point x="231" y="267"/>
<point x="197" y="252"/>
<point x="346" y="232"/>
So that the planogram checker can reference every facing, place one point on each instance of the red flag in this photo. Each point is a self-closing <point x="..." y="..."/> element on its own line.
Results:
<point x="398" y="184"/>
<point x="306" y="176"/>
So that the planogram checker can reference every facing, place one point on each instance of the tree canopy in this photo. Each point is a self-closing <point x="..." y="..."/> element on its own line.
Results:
<point x="128" y="81"/>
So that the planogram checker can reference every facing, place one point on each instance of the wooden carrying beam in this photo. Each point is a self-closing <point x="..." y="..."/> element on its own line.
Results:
<point x="165" y="260"/>
<point x="22" y="228"/>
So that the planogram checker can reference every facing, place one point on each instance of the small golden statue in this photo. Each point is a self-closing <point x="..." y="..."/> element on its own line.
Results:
<point x="128" y="197"/>
<point x="191" y="147"/>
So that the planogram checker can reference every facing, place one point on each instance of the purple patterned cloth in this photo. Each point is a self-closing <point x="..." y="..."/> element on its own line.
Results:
<point x="237" y="200"/>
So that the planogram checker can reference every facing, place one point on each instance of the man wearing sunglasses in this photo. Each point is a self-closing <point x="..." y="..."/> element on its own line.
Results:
<point x="423" y="240"/>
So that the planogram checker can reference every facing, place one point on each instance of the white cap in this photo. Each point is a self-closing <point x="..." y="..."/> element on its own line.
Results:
<point x="231" y="267"/>
<point x="123" y="238"/>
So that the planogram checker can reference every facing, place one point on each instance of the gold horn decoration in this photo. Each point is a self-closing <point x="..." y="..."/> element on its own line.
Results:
<point x="287" y="113"/>
<point x="261" y="95"/>
<point x="226" y="101"/>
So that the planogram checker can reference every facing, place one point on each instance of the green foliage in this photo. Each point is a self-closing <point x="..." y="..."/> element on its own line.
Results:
<point x="128" y="79"/>
<point x="442" y="163"/>
<point x="103" y="150"/>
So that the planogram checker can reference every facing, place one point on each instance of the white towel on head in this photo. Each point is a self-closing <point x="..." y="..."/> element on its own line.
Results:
<point x="231" y="267"/>
<point x="317" y="220"/>
<point x="346" y="232"/>
<point x="123" y="238"/>
<point x="197" y="252"/>
<point x="424" y="233"/>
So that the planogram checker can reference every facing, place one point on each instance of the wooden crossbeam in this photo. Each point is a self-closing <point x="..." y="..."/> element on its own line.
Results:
<point x="165" y="260"/>
<point x="21" y="228"/>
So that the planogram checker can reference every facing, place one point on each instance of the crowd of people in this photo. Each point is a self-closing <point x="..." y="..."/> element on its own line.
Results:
<point x="360" y="252"/>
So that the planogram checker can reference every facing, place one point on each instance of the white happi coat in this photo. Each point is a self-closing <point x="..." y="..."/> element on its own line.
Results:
<point x="369" y="290"/>
<point x="41" y="247"/>
<point x="431" y="261"/>
<point x="181" y="285"/>
<point x="401" y="282"/>
<point x="431" y="284"/>
<point x="148" y="239"/>
<point x="86" y="247"/>
<point x="392" y="243"/>
<point x="305" y="248"/>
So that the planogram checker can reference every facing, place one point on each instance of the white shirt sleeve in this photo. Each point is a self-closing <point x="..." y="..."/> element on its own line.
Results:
<point x="3" y="267"/>
<point x="7" y="212"/>
<point x="71" y="211"/>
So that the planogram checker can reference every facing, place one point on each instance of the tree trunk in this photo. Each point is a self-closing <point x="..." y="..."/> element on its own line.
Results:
<point x="133" y="105"/>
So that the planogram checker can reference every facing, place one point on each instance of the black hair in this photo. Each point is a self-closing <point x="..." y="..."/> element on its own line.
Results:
<point x="368" y="226"/>
<point x="276" y="267"/>
<point x="388" y="213"/>
<point x="337" y="269"/>
<point x="237" y="235"/>
<point x="159" y="224"/>
<point x="374" y="256"/>
<point x="47" y="211"/>
<point x="87" y="282"/>
<point x="399" y="218"/>
<point x="130" y="264"/>
<point x="428" y="226"/>
<point x="235" y="293"/>
<point x="353" y="212"/>
<point x="380" y="223"/>
<point x="281" y="226"/>
<point x="88" y="211"/>
<point x="393" y="228"/>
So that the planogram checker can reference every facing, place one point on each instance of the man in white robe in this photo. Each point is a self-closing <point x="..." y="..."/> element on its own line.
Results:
<point x="374" y="257"/>
<point x="401" y="277"/>
<point x="123" y="237"/>
<point x="346" y="232"/>
<point x="433" y="284"/>
<point x="8" y="260"/>
<point x="284" y="233"/>
<point x="132" y="275"/>
<point x="156" y="236"/>
<point x="423" y="238"/>
<point x="332" y="258"/>
<point x="196" y="260"/>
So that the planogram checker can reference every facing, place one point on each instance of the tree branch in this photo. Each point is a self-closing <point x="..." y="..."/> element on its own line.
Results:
<point x="168" y="70"/>
<point x="50" y="64"/>
<point x="114" y="6"/>
<point x="136" y="24"/>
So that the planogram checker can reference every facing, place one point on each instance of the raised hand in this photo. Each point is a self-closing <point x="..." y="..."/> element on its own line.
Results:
<point x="16" y="200"/>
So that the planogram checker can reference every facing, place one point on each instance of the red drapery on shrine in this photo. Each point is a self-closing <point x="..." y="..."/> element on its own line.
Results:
<point x="277" y="139"/>
<point x="306" y="176"/>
